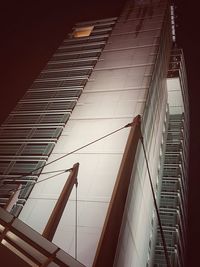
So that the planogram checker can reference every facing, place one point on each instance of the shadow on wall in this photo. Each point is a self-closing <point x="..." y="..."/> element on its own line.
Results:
<point x="145" y="7"/>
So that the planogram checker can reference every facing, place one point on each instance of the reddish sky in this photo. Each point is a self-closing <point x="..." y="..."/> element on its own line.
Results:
<point x="30" y="32"/>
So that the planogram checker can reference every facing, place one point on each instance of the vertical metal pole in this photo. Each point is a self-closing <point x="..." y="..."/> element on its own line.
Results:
<point x="13" y="198"/>
<point x="76" y="222"/>
<point x="57" y="212"/>
<point x="107" y="246"/>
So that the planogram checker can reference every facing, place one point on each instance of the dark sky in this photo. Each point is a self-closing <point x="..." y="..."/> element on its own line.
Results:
<point x="32" y="30"/>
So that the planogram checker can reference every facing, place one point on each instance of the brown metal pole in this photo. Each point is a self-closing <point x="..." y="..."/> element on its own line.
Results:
<point x="107" y="246"/>
<point x="13" y="198"/>
<point x="57" y="212"/>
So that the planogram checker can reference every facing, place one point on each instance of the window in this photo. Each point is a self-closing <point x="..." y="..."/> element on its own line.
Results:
<point x="31" y="119"/>
<point x="82" y="31"/>
<point x="21" y="167"/>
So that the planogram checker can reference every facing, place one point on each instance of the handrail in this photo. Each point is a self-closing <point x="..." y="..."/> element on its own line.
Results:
<point x="27" y="244"/>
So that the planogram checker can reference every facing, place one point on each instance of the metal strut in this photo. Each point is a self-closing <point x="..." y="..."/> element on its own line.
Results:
<point x="57" y="212"/>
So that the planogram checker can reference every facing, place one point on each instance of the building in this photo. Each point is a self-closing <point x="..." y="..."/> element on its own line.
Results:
<point x="80" y="110"/>
<point x="174" y="181"/>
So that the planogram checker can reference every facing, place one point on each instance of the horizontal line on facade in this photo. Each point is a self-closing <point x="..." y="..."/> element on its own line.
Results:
<point x="174" y="211"/>
<point x="121" y="20"/>
<point x="133" y="32"/>
<point x="4" y="159"/>
<point x="49" y="100"/>
<point x="56" y="89"/>
<point x="93" y="80"/>
<point x="82" y="45"/>
<point x="170" y="194"/>
<point x="94" y="21"/>
<point x="30" y="113"/>
<point x="74" y="78"/>
<point x="171" y="179"/>
<point x="98" y="24"/>
<point x="23" y="112"/>
<point x="7" y="176"/>
<point x="90" y="153"/>
<point x="32" y="126"/>
<point x="41" y="100"/>
<point x="67" y="69"/>
<point x="24" y="141"/>
<point x="176" y="106"/>
<point x="174" y="178"/>
<point x="132" y="101"/>
<point x="125" y="67"/>
<point x="154" y="37"/>
<point x="11" y="184"/>
<point x="174" y="90"/>
<point x="28" y="140"/>
<point x="160" y="247"/>
<point x="66" y="77"/>
<point x="129" y="48"/>
<point x="114" y="90"/>
<point x="78" y="52"/>
<point x="24" y="157"/>
<point x="83" y="39"/>
<point x="71" y="200"/>
<point x="102" y="30"/>
<point x="137" y="6"/>
<point x="71" y="60"/>
<point x="103" y="118"/>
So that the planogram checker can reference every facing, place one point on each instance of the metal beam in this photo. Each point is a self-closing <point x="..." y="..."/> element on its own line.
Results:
<point x="57" y="212"/>
<point x="107" y="246"/>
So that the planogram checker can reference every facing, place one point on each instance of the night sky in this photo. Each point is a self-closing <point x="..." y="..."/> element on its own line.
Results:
<point x="32" y="30"/>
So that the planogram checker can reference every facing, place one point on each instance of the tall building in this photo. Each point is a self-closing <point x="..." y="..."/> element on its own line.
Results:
<point x="83" y="108"/>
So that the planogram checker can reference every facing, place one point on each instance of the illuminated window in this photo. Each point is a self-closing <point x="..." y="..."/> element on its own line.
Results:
<point x="82" y="31"/>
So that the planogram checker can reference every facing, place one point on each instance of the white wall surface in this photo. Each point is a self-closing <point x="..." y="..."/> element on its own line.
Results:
<point x="175" y="98"/>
